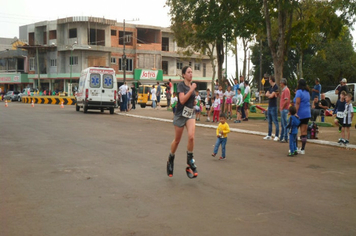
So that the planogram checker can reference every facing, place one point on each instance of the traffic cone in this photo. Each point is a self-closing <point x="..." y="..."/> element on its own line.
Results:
<point x="62" y="106"/>
<point x="6" y="105"/>
<point x="32" y="104"/>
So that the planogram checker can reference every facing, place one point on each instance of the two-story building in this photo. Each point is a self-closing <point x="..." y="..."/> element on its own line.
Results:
<point x="59" y="50"/>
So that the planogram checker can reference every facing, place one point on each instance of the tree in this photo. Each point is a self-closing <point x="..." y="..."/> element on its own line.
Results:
<point x="204" y="21"/>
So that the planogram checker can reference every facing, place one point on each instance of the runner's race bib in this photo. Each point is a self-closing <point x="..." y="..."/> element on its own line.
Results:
<point x="188" y="112"/>
<point x="340" y="114"/>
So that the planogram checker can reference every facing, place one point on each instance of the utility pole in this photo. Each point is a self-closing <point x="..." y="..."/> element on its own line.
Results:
<point x="38" y="69"/>
<point x="124" y="55"/>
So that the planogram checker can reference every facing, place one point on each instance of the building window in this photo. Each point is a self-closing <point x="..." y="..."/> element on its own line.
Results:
<point x="165" y="67"/>
<point x="190" y="63"/>
<point x="165" y="44"/>
<point x="73" y="60"/>
<point x="113" y="32"/>
<point x="53" y="62"/>
<point x="73" y="33"/>
<point x="32" y="63"/>
<point x="204" y="69"/>
<point x="129" y="64"/>
<point x="113" y="60"/>
<point x="179" y="65"/>
<point x="196" y="66"/>
<point x="52" y="34"/>
<point x="128" y="38"/>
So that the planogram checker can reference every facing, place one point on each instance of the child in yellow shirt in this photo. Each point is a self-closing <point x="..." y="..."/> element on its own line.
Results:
<point x="221" y="133"/>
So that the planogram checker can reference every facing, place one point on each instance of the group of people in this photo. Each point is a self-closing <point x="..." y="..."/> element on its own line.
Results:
<point x="300" y="112"/>
<point x="127" y="97"/>
<point x="239" y="94"/>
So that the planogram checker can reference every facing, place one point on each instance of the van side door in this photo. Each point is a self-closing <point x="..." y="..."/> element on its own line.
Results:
<point x="107" y="89"/>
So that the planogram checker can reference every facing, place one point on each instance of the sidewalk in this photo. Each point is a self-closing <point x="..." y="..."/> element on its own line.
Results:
<point x="327" y="135"/>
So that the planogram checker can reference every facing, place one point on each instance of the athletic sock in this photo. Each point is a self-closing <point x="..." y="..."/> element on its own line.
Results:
<point x="304" y="141"/>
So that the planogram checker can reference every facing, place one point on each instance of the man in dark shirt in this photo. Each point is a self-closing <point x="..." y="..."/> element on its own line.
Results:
<point x="272" y="112"/>
<point x="318" y="107"/>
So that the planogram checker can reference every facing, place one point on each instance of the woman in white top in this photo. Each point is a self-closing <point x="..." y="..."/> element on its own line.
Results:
<point x="228" y="102"/>
<point x="154" y="97"/>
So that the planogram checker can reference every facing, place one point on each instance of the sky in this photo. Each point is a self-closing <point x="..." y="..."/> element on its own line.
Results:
<point x="16" y="13"/>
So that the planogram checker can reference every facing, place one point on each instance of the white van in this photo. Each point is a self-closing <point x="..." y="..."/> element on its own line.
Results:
<point x="97" y="89"/>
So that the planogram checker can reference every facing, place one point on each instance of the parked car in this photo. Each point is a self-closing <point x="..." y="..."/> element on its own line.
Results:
<point x="331" y="97"/>
<point x="202" y="94"/>
<point x="11" y="95"/>
<point x="24" y="93"/>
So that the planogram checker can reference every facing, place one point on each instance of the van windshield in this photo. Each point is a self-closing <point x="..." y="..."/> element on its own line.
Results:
<point x="94" y="80"/>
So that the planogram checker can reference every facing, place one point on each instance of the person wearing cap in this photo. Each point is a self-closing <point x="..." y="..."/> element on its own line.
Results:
<point x="284" y="108"/>
<point x="317" y="89"/>
<point x="342" y="87"/>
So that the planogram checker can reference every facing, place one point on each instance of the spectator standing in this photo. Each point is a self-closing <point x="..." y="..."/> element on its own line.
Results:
<point x="134" y="96"/>
<point x="339" y="112"/>
<point x="228" y="102"/>
<point x="247" y="95"/>
<point x="153" y="97"/>
<point x="197" y="105"/>
<point x="302" y="105"/>
<point x="316" y="91"/>
<point x="272" y="112"/>
<point x="242" y="88"/>
<point x="158" y="95"/>
<point x="216" y="107"/>
<point x="239" y="104"/>
<point x="348" y="115"/>
<point x="208" y="104"/>
<point x="293" y="127"/>
<point x="168" y="96"/>
<point x="284" y="104"/>
<point x="235" y="88"/>
<point x="221" y="133"/>
<point x="220" y="92"/>
<point x="170" y="86"/>
<point x="123" y="91"/>
<point x="174" y="103"/>
<point x="216" y="86"/>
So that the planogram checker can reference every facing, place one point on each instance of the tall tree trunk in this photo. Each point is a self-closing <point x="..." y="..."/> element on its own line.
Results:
<point x="244" y="43"/>
<point x="212" y="61"/>
<point x="220" y="57"/>
<point x="236" y="60"/>
<point x="300" y="64"/>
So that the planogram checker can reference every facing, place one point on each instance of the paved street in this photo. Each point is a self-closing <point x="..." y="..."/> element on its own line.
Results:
<point x="64" y="172"/>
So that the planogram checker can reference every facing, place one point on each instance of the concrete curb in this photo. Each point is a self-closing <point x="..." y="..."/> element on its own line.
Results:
<point x="316" y="141"/>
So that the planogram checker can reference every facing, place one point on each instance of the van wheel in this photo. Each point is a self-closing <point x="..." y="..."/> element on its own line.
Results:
<point x="77" y="108"/>
<point x="143" y="105"/>
<point x="102" y="110"/>
<point x="111" y="110"/>
<point x="85" y="109"/>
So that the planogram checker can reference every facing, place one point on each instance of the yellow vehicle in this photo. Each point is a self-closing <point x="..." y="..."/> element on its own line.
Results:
<point x="144" y="95"/>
